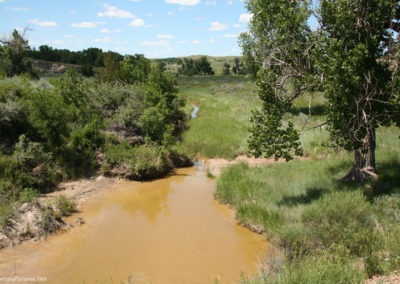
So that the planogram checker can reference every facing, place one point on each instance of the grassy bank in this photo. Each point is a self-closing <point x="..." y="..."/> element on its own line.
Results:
<point x="220" y="129"/>
<point x="329" y="232"/>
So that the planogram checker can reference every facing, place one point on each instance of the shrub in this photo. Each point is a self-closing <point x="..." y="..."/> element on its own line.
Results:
<point x="64" y="206"/>
<point x="341" y="218"/>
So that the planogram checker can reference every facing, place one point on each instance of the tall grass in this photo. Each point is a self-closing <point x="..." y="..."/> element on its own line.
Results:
<point x="330" y="232"/>
<point x="221" y="126"/>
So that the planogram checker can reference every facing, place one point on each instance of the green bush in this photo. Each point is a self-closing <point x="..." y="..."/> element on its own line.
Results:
<point x="343" y="218"/>
<point x="138" y="163"/>
<point x="64" y="206"/>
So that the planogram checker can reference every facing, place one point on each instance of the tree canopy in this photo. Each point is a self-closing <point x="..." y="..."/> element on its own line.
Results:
<point x="351" y="57"/>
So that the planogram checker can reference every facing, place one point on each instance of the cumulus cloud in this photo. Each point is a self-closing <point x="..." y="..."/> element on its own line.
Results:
<point x="43" y="23"/>
<point x="217" y="26"/>
<point x="113" y="12"/>
<point x="83" y="25"/>
<point x="245" y="18"/>
<point x="103" y="39"/>
<point x="137" y="23"/>
<point x="183" y="2"/>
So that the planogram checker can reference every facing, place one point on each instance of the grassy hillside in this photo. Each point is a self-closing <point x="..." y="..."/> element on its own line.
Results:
<point x="217" y="63"/>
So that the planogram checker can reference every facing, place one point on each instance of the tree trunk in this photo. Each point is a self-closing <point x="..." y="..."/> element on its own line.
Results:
<point x="364" y="167"/>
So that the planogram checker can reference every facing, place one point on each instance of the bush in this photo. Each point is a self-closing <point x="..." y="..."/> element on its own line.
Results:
<point x="341" y="218"/>
<point x="64" y="206"/>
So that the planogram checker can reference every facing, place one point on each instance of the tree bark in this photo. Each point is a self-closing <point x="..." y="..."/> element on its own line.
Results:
<point x="364" y="167"/>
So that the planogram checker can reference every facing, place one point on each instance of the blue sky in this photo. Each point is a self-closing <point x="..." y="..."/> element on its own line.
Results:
<point x="155" y="28"/>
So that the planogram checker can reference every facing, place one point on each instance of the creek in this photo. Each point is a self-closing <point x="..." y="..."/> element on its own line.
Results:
<point x="164" y="231"/>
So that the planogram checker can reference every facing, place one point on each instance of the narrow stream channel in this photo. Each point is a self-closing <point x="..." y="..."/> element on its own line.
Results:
<point x="166" y="231"/>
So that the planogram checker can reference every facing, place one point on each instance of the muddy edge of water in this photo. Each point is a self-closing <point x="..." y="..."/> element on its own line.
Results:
<point x="204" y="237"/>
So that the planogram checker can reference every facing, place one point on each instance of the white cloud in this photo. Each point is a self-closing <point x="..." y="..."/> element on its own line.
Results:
<point x="83" y="25"/>
<point x="103" y="39"/>
<point x="43" y="23"/>
<point x="155" y="43"/>
<point x="18" y="9"/>
<point x="69" y="36"/>
<point x="245" y="18"/>
<point x="113" y="12"/>
<point x="196" y="41"/>
<point x="217" y="26"/>
<point x="165" y="36"/>
<point x="105" y="31"/>
<point x="137" y="23"/>
<point x="229" y="2"/>
<point x="211" y="2"/>
<point x="183" y="2"/>
<point x="1" y="1"/>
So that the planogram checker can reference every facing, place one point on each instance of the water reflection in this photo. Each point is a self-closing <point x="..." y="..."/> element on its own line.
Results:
<point x="165" y="231"/>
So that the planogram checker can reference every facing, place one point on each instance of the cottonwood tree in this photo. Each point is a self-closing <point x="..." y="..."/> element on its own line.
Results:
<point x="349" y="56"/>
<point x="14" y="52"/>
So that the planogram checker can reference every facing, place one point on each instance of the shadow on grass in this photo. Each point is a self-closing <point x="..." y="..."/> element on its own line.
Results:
<point x="311" y="195"/>
<point x="388" y="178"/>
<point x="388" y="181"/>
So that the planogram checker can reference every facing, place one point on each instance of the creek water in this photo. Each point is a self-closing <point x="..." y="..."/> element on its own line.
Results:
<point x="165" y="231"/>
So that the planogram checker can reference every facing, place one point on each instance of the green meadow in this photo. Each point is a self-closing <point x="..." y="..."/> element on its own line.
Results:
<point x="325" y="231"/>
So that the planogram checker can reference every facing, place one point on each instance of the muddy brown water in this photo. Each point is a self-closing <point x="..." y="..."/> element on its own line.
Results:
<point x="166" y="231"/>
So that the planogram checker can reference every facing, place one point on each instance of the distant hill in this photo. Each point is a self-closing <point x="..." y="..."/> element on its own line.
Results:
<point x="52" y="68"/>
<point x="217" y="62"/>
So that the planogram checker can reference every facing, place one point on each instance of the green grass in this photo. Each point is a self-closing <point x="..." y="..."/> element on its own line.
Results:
<point x="329" y="232"/>
<point x="221" y="126"/>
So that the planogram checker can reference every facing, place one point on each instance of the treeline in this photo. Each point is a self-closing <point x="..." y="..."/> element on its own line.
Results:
<point x="124" y="123"/>
<point x="93" y="60"/>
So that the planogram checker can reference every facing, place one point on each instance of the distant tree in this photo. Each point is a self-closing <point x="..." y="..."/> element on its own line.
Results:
<point x="112" y="68"/>
<point x="14" y="51"/>
<point x="203" y="66"/>
<point x="163" y="117"/>
<point x="227" y="69"/>
<point x="135" y="69"/>
<point x="238" y="67"/>
<point x="190" y="67"/>
<point x="347" y="57"/>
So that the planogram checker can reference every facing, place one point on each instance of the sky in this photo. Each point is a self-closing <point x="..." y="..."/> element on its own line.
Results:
<point x="155" y="28"/>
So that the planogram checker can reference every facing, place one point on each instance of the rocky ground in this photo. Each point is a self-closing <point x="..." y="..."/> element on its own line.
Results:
<point x="37" y="219"/>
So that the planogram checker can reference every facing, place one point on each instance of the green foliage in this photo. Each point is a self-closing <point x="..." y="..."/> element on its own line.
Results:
<point x="323" y="268"/>
<point x="14" y="54"/>
<point x="329" y="231"/>
<point x="163" y="117"/>
<point x="64" y="206"/>
<point x="138" y="163"/>
<point x="191" y="67"/>
<point x="352" y="49"/>
<point x="135" y="69"/>
<point x="28" y="194"/>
